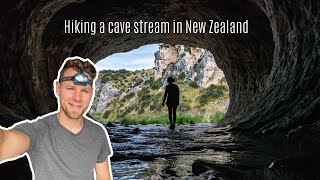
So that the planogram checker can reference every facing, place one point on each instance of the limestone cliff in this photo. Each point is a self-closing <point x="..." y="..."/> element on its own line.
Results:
<point x="107" y="93"/>
<point x="194" y="64"/>
<point x="166" y="55"/>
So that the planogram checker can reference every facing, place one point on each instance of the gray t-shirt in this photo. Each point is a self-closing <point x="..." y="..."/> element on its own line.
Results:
<point x="57" y="153"/>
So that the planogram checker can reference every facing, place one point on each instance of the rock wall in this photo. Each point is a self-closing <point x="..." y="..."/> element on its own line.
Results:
<point x="167" y="54"/>
<point x="106" y="95"/>
<point x="195" y="64"/>
<point x="208" y="71"/>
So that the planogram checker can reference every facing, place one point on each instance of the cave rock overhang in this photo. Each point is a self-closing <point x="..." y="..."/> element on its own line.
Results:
<point x="272" y="72"/>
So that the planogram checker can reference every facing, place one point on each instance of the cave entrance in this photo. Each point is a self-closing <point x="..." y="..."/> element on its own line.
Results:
<point x="132" y="92"/>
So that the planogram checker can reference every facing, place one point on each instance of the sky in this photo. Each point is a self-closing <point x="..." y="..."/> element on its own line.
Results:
<point x="137" y="59"/>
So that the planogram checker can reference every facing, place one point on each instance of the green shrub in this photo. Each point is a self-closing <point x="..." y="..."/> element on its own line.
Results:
<point x="106" y="114"/>
<point x="140" y="111"/>
<point x="104" y="78"/>
<point x="114" y="115"/>
<point x="182" y="76"/>
<point x="126" y="121"/>
<point x="193" y="84"/>
<point x="155" y="84"/>
<point x="187" y="49"/>
<point x="153" y="107"/>
<point x="144" y="92"/>
<point x="139" y="81"/>
<point x="156" y="106"/>
<point x="144" y="102"/>
<point x="187" y="118"/>
<point x="212" y="92"/>
<point x="126" y="111"/>
<point x="127" y="97"/>
<point x="122" y="71"/>
<point x="184" y="107"/>
<point x="130" y="95"/>
<point x="217" y="117"/>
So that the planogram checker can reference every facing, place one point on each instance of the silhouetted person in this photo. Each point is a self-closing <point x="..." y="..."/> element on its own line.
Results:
<point x="172" y="96"/>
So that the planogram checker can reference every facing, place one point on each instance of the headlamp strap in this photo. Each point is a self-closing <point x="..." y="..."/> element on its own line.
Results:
<point x="81" y="69"/>
<point x="70" y="78"/>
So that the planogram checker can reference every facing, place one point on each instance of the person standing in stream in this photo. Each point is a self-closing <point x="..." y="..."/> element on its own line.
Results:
<point x="171" y="97"/>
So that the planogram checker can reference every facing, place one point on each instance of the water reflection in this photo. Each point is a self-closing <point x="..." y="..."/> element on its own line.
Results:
<point x="205" y="151"/>
<point x="128" y="169"/>
<point x="163" y="153"/>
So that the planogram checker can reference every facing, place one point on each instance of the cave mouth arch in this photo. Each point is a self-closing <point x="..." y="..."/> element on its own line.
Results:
<point x="246" y="59"/>
<point x="271" y="71"/>
<point x="134" y="89"/>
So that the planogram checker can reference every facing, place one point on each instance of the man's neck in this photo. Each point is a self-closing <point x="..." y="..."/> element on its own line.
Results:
<point x="73" y="125"/>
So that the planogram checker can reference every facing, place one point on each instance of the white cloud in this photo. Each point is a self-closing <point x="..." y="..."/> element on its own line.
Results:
<point x="141" y="58"/>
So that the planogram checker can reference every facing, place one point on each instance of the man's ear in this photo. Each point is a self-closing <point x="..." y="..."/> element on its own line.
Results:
<point x="57" y="88"/>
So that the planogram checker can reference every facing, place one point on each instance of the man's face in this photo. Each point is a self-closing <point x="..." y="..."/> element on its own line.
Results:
<point x="74" y="99"/>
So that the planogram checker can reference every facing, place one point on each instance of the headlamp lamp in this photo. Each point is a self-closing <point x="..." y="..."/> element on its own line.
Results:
<point x="79" y="78"/>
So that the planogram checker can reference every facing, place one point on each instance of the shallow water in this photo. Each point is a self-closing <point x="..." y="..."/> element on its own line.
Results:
<point x="205" y="151"/>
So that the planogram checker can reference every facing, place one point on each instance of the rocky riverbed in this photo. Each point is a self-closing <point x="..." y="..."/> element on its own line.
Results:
<point x="206" y="151"/>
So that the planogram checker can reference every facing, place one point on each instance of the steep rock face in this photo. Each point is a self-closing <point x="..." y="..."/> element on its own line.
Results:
<point x="195" y="64"/>
<point x="208" y="71"/>
<point x="106" y="95"/>
<point x="167" y="54"/>
<point x="272" y="72"/>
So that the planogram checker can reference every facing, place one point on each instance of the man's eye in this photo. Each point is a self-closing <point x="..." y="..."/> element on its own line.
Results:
<point x="70" y="88"/>
<point x="86" y="91"/>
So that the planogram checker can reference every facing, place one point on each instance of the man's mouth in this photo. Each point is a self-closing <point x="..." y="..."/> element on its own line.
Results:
<point x="75" y="105"/>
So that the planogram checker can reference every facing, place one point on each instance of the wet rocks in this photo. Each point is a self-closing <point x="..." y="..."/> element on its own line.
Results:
<point x="110" y="124"/>
<point x="299" y="162"/>
<point x="213" y="152"/>
<point x="135" y="131"/>
<point x="134" y="163"/>
<point x="199" y="168"/>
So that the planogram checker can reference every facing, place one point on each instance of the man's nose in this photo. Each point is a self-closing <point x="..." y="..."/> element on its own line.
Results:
<point x="77" y="95"/>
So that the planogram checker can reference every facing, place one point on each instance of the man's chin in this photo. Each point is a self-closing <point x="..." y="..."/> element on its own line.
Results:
<point x="74" y="115"/>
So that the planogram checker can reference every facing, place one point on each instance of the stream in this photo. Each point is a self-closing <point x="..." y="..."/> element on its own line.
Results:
<point x="206" y="151"/>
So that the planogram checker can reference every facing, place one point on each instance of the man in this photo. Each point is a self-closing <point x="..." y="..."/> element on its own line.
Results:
<point x="171" y="95"/>
<point x="63" y="144"/>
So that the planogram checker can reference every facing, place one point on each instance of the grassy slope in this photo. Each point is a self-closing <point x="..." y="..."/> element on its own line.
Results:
<point x="146" y="107"/>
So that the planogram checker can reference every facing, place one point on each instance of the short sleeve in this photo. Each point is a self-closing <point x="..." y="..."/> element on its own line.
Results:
<point x="31" y="129"/>
<point x="106" y="148"/>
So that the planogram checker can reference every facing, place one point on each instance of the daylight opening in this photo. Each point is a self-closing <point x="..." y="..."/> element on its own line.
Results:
<point x="131" y="86"/>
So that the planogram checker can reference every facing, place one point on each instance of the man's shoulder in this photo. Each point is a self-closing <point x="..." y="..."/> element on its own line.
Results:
<point x="36" y="127"/>
<point x="47" y="119"/>
<point x="44" y="119"/>
<point x="95" y="128"/>
<point x="93" y="124"/>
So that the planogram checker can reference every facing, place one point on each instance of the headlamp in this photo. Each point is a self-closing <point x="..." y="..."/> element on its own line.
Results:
<point x="79" y="78"/>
